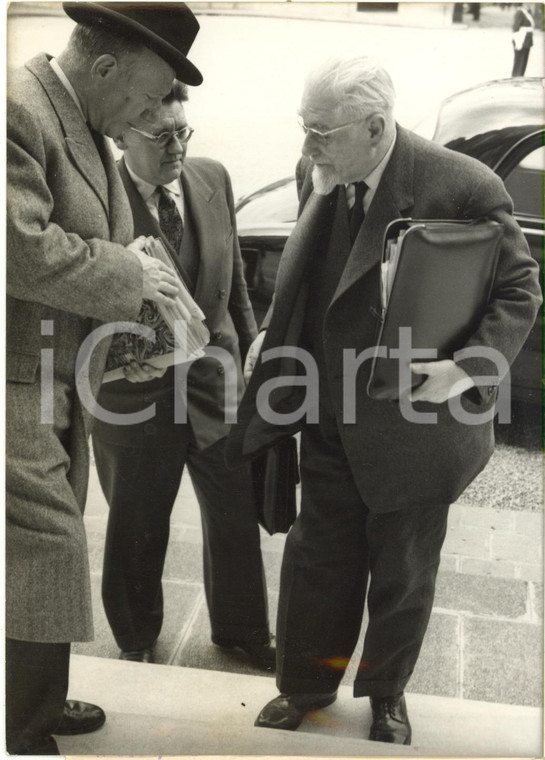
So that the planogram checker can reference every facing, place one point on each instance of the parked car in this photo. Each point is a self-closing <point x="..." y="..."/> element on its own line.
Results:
<point x="501" y="124"/>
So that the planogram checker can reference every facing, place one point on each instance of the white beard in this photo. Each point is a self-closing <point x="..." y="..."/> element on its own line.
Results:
<point x="324" y="179"/>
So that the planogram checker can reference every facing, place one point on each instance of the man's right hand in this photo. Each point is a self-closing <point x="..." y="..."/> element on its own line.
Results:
<point x="159" y="281"/>
<point x="253" y="353"/>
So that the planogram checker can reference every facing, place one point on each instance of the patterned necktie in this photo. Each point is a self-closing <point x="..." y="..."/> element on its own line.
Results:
<point x="170" y="220"/>
<point x="356" y="213"/>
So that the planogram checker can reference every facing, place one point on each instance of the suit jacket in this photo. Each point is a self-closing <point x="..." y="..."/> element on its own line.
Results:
<point x="68" y="221"/>
<point x="220" y="291"/>
<point x="396" y="463"/>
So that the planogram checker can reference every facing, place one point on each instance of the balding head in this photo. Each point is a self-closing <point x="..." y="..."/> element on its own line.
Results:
<point x="119" y="82"/>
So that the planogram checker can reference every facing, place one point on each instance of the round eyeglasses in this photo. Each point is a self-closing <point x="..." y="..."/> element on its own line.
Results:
<point x="183" y="135"/>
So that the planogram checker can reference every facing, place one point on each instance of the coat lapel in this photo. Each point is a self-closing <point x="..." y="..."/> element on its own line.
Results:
<point x="207" y="214"/>
<point x="79" y="142"/>
<point x="394" y="198"/>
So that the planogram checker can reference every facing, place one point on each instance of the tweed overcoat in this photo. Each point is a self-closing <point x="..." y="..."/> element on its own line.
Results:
<point x="68" y="221"/>
<point x="396" y="463"/>
<point x="220" y="291"/>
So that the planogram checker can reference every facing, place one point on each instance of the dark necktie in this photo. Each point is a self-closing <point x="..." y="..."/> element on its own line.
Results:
<point x="99" y="142"/>
<point x="170" y="220"/>
<point x="356" y="214"/>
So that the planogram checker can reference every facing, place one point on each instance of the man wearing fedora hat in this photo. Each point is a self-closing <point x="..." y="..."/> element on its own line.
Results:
<point x="72" y="264"/>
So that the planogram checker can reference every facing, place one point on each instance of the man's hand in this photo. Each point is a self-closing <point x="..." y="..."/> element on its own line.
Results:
<point x="253" y="353"/>
<point x="159" y="280"/>
<point x="445" y="380"/>
<point x="142" y="373"/>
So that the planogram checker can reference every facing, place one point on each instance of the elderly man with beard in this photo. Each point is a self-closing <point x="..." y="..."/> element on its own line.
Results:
<point x="376" y="490"/>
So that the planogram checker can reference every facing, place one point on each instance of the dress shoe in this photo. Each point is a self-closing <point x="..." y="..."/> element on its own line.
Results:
<point x="137" y="655"/>
<point x="80" y="718"/>
<point x="390" y="720"/>
<point x="287" y="711"/>
<point x="262" y="656"/>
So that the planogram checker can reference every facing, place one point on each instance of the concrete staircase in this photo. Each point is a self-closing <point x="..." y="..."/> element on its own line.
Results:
<point x="168" y="710"/>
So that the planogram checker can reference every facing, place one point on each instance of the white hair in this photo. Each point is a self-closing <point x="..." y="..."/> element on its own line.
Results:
<point x="359" y="84"/>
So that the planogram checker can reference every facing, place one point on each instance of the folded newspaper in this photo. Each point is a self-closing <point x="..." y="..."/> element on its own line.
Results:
<point x="180" y="333"/>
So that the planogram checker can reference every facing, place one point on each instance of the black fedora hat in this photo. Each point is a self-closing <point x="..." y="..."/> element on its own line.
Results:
<point x="168" y="29"/>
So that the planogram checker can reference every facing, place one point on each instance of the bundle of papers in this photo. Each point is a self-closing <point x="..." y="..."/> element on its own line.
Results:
<point x="389" y="266"/>
<point x="180" y="332"/>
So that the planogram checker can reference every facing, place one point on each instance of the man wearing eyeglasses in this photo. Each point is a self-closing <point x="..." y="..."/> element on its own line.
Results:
<point x="375" y="491"/>
<point x="188" y="204"/>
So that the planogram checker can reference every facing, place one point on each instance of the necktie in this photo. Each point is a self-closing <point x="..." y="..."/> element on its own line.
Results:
<point x="100" y="144"/>
<point x="170" y="220"/>
<point x="356" y="214"/>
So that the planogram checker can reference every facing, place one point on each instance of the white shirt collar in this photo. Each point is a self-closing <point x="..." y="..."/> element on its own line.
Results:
<point x="66" y="82"/>
<point x="146" y="189"/>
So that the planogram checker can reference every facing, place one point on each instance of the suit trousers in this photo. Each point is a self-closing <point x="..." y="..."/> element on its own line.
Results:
<point x="337" y="548"/>
<point x="36" y="689"/>
<point x="141" y="485"/>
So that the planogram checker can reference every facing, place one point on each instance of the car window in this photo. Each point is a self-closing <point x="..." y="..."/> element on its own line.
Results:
<point x="525" y="184"/>
<point x="277" y="205"/>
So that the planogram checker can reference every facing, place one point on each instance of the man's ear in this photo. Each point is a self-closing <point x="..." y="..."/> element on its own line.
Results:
<point x="376" y="126"/>
<point x="105" y="66"/>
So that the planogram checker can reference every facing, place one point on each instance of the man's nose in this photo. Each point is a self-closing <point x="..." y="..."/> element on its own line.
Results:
<point x="175" y="145"/>
<point x="151" y="114"/>
<point x="310" y="145"/>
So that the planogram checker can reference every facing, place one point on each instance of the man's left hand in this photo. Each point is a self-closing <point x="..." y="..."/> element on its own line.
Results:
<point x="142" y="373"/>
<point x="445" y="380"/>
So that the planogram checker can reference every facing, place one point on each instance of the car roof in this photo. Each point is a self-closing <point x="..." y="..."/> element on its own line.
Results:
<point x="491" y="106"/>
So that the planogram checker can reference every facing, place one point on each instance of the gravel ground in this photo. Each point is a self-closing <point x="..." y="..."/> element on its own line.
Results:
<point x="513" y="479"/>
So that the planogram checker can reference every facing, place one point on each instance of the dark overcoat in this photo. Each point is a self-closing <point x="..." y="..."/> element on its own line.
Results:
<point x="395" y="463"/>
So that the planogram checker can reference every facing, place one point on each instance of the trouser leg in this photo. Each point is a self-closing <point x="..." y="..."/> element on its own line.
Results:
<point x="234" y="578"/>
<point x="36" y="689"/>
<point x="404" y="550"/>
<point x="140" y="485"/>
<point x="324" y="573"/>
<point x="520" y="62"/>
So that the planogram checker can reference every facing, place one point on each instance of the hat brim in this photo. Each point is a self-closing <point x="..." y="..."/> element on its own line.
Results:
<point x="93" y="13"/>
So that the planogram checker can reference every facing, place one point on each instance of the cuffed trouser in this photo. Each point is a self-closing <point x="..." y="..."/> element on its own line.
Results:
<point x="141" y="485"/>
<point x="36" y="689"/>
<point x="335" y="547"/>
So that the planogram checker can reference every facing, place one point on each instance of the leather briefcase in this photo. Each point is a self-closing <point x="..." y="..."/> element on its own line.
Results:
<point x="275" y="475"/>
<point x="438" y="285"/>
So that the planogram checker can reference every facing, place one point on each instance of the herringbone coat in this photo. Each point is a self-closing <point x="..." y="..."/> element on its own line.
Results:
<point x="68" y="221"/>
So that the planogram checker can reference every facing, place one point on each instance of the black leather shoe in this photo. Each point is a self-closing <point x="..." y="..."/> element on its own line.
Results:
<point x="137" y="655"/>
<point x="262" y="656"/>
<point x="287" y="711"/>
<point x="80" y="718"/>
<point x="390" y="720"/>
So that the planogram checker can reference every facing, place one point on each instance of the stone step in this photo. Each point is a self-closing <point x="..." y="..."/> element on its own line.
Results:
<point x="166" y="710"/>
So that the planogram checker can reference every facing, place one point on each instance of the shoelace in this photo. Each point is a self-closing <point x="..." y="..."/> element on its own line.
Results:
<point x="386" y="707"/>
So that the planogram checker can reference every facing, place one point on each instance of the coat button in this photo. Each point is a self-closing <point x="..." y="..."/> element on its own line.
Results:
<point x="220" y="293"/>
<point x="216" y="335"/>
<point x="149" y="428"/>
<point x="491" y="390"/>
<point x="220" y="371"/>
